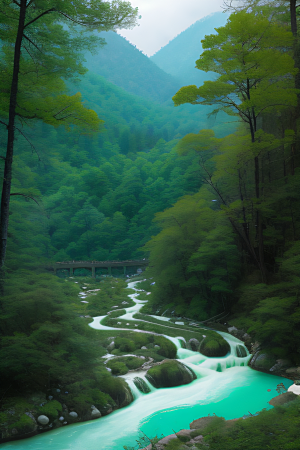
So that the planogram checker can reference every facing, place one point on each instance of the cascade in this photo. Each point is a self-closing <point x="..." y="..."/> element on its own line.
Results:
<point x="224" y="386"/>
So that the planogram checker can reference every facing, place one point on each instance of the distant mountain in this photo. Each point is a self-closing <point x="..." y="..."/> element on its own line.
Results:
<point x="124" y="65"/>
<point x="178" y="57"/>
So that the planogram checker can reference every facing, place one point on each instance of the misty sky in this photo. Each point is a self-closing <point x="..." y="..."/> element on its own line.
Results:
<point x="162" y="20"/>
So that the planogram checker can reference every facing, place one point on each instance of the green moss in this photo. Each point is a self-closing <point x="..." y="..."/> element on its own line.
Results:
<point x="264" y="360"/>
<point x="170" y="373"/>
<point x="24" y="425"/>
<point x="117" y="367"/>
<point x="117" y="388"/>
<point x="117" y="313"/>
<point x="214" y="346"/>
<point x="124" y="344"/>
<point x="167" y="347"/>
<point x="52" y="409"/>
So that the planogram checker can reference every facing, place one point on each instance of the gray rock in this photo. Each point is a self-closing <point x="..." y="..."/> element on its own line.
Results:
<point x="194" y="344"/>
<point x="196" y="439"/>
<point x="232" y="329"/>
<point x="95" y="413"/>
<point x="144" y="348"/>
<point x="61" y="418"/>
<point x="184" y="432"/>
<point x="160" y="445"/>
<point x="293" y="371"/>
<point x="43" y="420"/>
<point x="73" y="414"/>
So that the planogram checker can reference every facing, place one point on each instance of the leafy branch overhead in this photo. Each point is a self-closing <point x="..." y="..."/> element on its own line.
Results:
<point x="254" y="74"/>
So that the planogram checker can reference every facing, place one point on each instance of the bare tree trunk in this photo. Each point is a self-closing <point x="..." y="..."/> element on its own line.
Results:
<point x="293" y="17"/>
<point x="4" y="211"/>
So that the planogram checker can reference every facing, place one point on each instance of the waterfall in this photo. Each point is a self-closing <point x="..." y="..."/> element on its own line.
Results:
<point x="223" y="386"/>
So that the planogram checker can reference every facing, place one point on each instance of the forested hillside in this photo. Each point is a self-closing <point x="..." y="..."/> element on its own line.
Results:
<point x="103" y="166"/>
<point x="126" y="66"/>
<point x="96" y="196"/>
<point x="233" y="246"/>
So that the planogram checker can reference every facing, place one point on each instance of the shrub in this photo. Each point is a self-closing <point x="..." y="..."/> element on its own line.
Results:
<point x="51" y="410"/>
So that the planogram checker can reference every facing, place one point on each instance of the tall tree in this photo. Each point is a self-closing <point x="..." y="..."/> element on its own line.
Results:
<point x="255" y="76"/>
<point x="38" y="44"/>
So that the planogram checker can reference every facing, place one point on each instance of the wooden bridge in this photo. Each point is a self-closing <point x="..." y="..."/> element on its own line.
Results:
<point x="104" y="267"/>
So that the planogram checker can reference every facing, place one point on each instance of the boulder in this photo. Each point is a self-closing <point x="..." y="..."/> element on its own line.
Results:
<point x="169" y="373"/>
<point x="293" y="372"/>
<point x="214" y="346"/>
<point x="183" y="433"/>
<point x="95" y="414"/>
<point x="280" y="365"/>
<point x="164" y="442"/>
<point x="240" y="351"/>
<point x="201" y="423"/>
<point x="196" y="440"/>
<point x="73" y="414"/>
<point x="43" y="420"/>
<point x="263" y="360"/>
<point x="283" y="398"/>
<point x="141" y="385"/>
<point x="194" y="344"/>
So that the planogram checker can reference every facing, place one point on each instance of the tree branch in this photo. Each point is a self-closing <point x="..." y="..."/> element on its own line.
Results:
<point x="26" y="37"/>
<point x="30" y="143"/>
<point x="26" y="196"/>
<point x="38" y="17"/>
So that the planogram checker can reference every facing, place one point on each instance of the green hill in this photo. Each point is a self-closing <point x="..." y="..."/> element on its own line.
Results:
<point x="124" y="65"/>
<point x="178" y="57"/>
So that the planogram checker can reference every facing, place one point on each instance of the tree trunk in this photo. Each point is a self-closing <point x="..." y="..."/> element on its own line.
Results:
<point x="4" y="212"/>
<point x="293" y="17"/>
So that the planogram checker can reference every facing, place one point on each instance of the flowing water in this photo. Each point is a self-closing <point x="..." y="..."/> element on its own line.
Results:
<point x="224" y="386"/>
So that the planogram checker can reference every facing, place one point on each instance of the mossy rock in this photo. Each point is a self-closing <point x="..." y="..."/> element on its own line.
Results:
<point x="141" y="385"/>
<point x="263" y="360"/>
<point x="24" y="425"/>
<point x="118" y="390"/>
<point x="51" y="409"/>
<point x="170" y="373"/>
<point x="282" y="399"/>
<point x="241" y="351"/>
<point x="214" y="346"/>
<point x="167" y="348"/>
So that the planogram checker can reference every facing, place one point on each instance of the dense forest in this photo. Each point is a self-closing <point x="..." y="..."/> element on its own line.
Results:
<point x="101" y="164"/>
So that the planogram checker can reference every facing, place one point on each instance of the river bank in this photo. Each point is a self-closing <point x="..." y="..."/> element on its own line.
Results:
<point x="201" y="365"/>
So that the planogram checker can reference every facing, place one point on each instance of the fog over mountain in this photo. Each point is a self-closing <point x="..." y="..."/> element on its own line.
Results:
<point x="179" y="56"/>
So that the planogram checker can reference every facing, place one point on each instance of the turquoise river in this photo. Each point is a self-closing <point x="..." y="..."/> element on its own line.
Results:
<point x="224" y="386"/>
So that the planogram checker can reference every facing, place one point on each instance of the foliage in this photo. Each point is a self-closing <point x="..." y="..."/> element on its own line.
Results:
<point x="51" y="409"/>
<point x="193" y="259"/>
<point x="120" y="366"/>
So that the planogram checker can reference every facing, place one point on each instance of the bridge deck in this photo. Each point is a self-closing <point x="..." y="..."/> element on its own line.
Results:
<point x="90" y="264"/>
